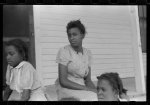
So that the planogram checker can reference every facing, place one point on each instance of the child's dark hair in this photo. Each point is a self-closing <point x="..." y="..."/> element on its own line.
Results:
<point x="20" y="46"/>
<point x="76" y="24"/>
<point x="115" y="82"/>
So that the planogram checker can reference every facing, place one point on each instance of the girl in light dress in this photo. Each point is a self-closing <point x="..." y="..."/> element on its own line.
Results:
<point x="22" y="79"/>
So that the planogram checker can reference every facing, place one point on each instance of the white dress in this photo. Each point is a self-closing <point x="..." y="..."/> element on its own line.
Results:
<point x="21" y="77"/>
<point x="77" y="69"/>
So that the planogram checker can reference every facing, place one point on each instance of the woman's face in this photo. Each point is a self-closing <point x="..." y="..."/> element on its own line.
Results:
<point x="105" y="91"/>
<point x="13" y="57"/>
<point x="75" y="37"/>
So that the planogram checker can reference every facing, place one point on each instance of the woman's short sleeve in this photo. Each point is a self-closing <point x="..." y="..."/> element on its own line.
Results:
<point x="62" y="57"/>
<point x="26" y="77"/>
<point x="90" y="58"/>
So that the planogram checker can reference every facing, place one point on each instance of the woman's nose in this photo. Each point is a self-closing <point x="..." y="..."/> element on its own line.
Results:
<point x="71" y="37"/>
<point x="100" y="91"/>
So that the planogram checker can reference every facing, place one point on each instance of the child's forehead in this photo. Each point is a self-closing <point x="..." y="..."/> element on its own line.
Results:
<point x="103" y="82"/>
<point x="11" y="48"/>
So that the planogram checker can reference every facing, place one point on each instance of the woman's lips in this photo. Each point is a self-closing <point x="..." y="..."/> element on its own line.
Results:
<point x="73" y="42"/>
<point x="101" y="97"/>
<point x="9" y="62"/>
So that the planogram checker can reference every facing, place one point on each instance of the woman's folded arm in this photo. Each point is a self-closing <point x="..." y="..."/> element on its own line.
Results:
<point x="64" y="82"/>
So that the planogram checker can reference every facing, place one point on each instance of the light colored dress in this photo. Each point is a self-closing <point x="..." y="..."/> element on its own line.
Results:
<point x="77" y="65"/>
<point x="120" y="99"/>
<point x="21" y="77"/>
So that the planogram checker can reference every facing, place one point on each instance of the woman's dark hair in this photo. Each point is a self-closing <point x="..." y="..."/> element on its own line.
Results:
<point x="20" y="46"/>
<point x="76" y="24"/>
<point x="115" y="82"/>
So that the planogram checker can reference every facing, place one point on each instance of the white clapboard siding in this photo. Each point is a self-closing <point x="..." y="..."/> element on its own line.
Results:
<point x="109" y="37"/>
<point x="120" y="70"/>
<point x="145" y="63"/>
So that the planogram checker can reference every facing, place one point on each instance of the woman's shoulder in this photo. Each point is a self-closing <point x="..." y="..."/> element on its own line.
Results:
<point x="65" y="48"/>
<point x="86" y="50"/>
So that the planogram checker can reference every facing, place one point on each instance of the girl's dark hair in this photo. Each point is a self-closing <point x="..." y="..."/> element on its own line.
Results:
<point x="115" y="82"/>
<point x="76" y="24"/>
<point x="20" y="46"/>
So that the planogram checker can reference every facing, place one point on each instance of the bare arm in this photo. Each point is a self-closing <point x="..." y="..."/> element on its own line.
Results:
<point x="7" y="93"/>
<point x="89" y="82"/>
<point x="67" y="83"/>
<point x="125" y="96"/>
<point x="25" y="95"/>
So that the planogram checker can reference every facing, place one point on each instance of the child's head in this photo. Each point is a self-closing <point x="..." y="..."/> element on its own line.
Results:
<point x="16" y="51"/>
<point x="110" y="87"/>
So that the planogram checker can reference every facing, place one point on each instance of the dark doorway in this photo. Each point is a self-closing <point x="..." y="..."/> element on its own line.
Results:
<point x="18" y="23"/>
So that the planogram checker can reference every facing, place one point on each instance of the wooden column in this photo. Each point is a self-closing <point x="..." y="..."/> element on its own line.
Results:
<point x="137" y="50"/>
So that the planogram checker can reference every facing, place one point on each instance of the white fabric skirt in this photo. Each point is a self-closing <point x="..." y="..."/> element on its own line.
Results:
<point x="81" y="95"/>
<point x="36" y="95"/>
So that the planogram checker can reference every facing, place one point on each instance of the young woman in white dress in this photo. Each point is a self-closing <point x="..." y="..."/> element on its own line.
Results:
<point x="74" y="67"/>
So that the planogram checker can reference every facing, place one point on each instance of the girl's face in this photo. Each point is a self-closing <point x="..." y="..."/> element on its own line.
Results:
<point x="13" y="57"/>
<point x="75" y="37"/>
<point x="105" y="91"/>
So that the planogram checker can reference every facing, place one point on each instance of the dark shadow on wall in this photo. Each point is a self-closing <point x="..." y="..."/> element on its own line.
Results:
<point x="143" y="26"/>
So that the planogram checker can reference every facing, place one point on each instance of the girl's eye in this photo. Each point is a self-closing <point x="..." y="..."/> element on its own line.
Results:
<point x="103" y="89"/>
<point x="11" y="53"/>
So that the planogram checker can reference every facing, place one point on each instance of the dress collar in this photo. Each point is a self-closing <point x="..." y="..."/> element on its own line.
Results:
<point x="82" y="52"/>
<point x="19" y="65"/>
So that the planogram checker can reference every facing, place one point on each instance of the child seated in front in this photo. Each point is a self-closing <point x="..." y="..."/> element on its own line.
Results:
<point x="21" y="78"/>
<point x="110" y="88"/>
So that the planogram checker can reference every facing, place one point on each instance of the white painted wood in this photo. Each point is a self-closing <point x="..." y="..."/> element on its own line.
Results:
<point x="110" y="36"/>
<point x="38" y="54"/>
<point x="139" y="70"/>
<point x="145" y="63"/>
<point x="98" y="56"/>
<point x="94" y="51"/>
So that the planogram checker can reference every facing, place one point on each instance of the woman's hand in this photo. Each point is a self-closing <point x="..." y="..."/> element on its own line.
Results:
<point x="6" y="93"/>
<point x="124" y="96"/>
<point x="25" y="95"/>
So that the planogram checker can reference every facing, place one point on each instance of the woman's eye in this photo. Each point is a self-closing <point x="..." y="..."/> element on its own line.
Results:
<point x="69" y="35"/>
<point x="74" y="34"/>
<point x="11" y="53"/>
<point x="103" y="89"/>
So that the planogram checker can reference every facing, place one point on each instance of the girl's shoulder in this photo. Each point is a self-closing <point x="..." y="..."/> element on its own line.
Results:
<point x="28" y="65"/>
